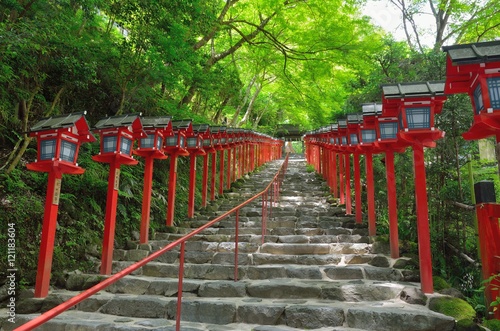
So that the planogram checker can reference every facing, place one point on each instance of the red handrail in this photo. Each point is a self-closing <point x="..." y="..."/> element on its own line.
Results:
<point x="48" y="315"/>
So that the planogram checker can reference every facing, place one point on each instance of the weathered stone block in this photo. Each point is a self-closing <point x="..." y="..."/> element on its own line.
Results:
<point x="311" y="317"/>
<point x="222" y="289"/>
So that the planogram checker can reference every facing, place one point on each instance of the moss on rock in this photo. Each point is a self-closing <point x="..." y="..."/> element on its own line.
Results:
<point x="454" y="307"/>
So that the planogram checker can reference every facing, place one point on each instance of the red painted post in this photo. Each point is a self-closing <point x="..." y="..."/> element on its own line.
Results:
<point x="192" y="185"/>
<point x="204" y="180"/>
<point x="341" y="179"/>
<point x="110" y="220"/>
<point x="213" y="175"/>
<point x="146" y="199"/>
<point x="357" y="189"/>
<point x="422" y="219"/>
<point x="348" y="206"/>
<point x="221" y="172"/>
<point x="48" y="234"/>
<point x="229" y="165"/>
<point x="392" y="204"/>
<point x="172" y="182"/>
<point x="235" y="157"/>
<point x="489" y="239"/>
<point x="370" y="192"/>
<point x="334" y="175"/>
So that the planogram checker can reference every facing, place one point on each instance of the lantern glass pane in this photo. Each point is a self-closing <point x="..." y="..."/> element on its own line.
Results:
<point x="388" y="130"/>
<point x="478" y="99"/>
<point x="418" y="118"/>
<point x="159" y="142"/>
<point x="354" y="139"/>
<point x="68" y="150"/>
<point x="206" y="142"/>
<point x="368" y="136"/>
<point x="148" y="142"/>
<point x="223" y="141"/>
<point x="344" y="140"/>
<point x="47" y="149"/>
<point x="182" y="142"/>
<point x="191" y="142"/>
<point x="494" y="90"/>
<point x="126" y="146"/>
<point x="109" y="144"/>
<point x="172" y="141"/>
<point x="332" y="141"/>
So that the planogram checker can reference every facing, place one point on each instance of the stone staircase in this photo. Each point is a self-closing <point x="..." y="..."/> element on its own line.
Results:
<point x="317" y="270"/>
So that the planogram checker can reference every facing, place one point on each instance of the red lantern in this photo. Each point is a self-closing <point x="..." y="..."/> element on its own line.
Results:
<point x="59" y="139"/>
<point x="151" y="147"/>
<point x="117" y="139"/>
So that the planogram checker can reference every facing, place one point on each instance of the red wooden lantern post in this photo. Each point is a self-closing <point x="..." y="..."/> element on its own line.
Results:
<point x="368" y="137"/>
<point x="216" y="133"/>
<point x="175" y="146"/>
<point x="333" y="160"/>
<point x="388" y="142"/>
<point x="475" y="69"/>
<point x="229" y="146"/>
<point x="343" y="144"/>
<point x="221" y="147"/>
<point x="58" y="139"/>
<point x="195" y="148"/>
<point x="151" y="148"/>
<point x="353" y="123"/>
<point x="417" y="103"/>
<point x="209" y="149"/>
<point x="117" y="134"/>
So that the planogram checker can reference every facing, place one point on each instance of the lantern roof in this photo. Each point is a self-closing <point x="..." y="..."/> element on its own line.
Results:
<point x="354" y="119"/>
<point x="76" y="120"/>
<point x="474" y="53"/>
<point x="156" y="122"/>
<point x="218" y="129"/>
<point x="128" y="120"/>
<point x="371" y="109"/>
<point x="342" y="124"/>
<point x="418" y="89"/>
<point x="185" y="124"/>
<point x="201" y="128"/>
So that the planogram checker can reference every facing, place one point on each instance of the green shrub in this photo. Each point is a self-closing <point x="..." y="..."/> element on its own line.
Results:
<point x="439" y="283"/>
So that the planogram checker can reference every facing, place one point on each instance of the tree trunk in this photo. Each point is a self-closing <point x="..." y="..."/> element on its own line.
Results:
<point x="18" y="152"/>
<point x="250" y="106"/>
<point x="244" y="101"/>
<point x="218" y="114"/>
<point x="57" y="98"/>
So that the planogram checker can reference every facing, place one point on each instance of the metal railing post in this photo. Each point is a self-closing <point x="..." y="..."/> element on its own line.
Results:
<point x="179" y="288"/>
<point x="236" y="243"/>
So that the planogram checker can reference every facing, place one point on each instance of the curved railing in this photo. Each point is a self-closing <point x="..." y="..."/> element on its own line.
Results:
<point x="270" y="195"/>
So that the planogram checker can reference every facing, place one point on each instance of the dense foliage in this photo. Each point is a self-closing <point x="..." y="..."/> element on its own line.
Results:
<point x="244" y="63"/>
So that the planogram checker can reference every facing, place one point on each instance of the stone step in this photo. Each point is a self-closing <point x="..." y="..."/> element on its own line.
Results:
<point x="271" y="271"/>
<point x="162" y="239"/>
<point x="279" y="288"/>
<point x="392" y="315"/>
